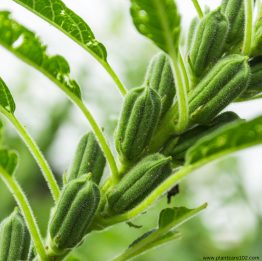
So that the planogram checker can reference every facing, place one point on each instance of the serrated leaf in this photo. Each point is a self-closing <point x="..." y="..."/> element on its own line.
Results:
<point x="8" y="161"/>
<point x="6" y="99"/>
<point x="158" y="21"/>
<point x="169" y="219"/>
<point x="234" y="136"/>
<point x="27" y="46"/>
<point x="59" y="15"/>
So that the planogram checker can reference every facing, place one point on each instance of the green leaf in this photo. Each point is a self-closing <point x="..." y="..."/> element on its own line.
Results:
<point x="8" y="161"/>
<point x="27" y="46"/>
<point x="169" y="219"/>
<point x="59" y="15"/>
<point x="232" y="137"/>
<point x="158" y="21"/>
<point x="6" y="99"/>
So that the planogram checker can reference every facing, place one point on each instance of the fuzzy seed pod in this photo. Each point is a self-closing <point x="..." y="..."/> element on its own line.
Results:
<point x="223" y="84"/>
<point x="178" y="145"/>
<point x="139" y="182"/>
<point x="159" y="77"/>
<point x="88" y="158"/>
<point x="139" y="118"/>
<point x="208" y="43"/>
<point x="73" y="214"/>
<point x="234" y="10"/>
<point x="255" y="85"/>
<point x="14" y="238"/>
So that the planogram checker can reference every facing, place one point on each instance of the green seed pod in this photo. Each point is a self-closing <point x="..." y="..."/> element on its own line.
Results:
<point x="223" y="84"/>
<point x="88" y="158"/>
<point x="14" y="238"/>
<point x="159" y="77"/>
<point x="178" y="145"/>
<point x="139" y="182"/>
<point x="255" y="85"/>
<point x="234" y="10"/>
<point x="139" y="118"/>
<point x="73" y="214"/>
<point x="209" y="41"/>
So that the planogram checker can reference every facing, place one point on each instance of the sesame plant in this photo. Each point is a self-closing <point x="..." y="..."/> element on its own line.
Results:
<point x="173" y="124"/>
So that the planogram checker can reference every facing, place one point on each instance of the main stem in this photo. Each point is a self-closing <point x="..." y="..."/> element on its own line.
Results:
<point x="198" y="8"/>
<point x="27" y="212"/>
<point x="248" y="27"/>
<point x="37" y="154"/>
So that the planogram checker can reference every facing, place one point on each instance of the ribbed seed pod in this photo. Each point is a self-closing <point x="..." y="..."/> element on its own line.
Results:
<point x="209" y="41"/>
<point x="73" y="214"/>
<point x="178" y="146"/>
<point x="88" y="158"/>
<point x="139" y="182"/>
<point x="139" y="118"/>
<point x="159" y="77"/>
<point x="234" y="10"/>
<point x="223" y="84"/>
<point x="14" y="238"/>
<point x="255" y="85"/>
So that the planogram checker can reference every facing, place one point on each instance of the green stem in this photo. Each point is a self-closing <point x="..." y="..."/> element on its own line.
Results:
<point x="198" y="8"/>
<point x="248" y="27"/>
<point x="114" y="76"/>
<point x="181" y="93"/>
<point x="37" y="154"/>
<point x="27" y="212"/>
<point x="184" y="72"/>
<point x="101" y="138"/>
<point x="79" y="103"/>
<point x="104" y="63"/>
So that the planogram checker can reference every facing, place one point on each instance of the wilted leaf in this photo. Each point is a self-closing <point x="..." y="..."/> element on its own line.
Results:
<point x="158" y="21"/>
<point x="59" y="15"/>
<point x="232" y="137"/>
<point x="27" y="46"/>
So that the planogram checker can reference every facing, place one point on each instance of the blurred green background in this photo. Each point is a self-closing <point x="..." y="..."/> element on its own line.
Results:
<point x="232" y="223"/>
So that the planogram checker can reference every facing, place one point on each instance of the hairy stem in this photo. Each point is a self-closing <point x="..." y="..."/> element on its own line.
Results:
<point x="27" y="212"/>
<point x="114" y="76"/>
<point x="184" y="71"/>
<point x="181" y="93"/>
<point x="248" y="27"/>
<point x="198" y="8"/>
<point x="101" y="138"/>
<point x="37" y="154"/>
